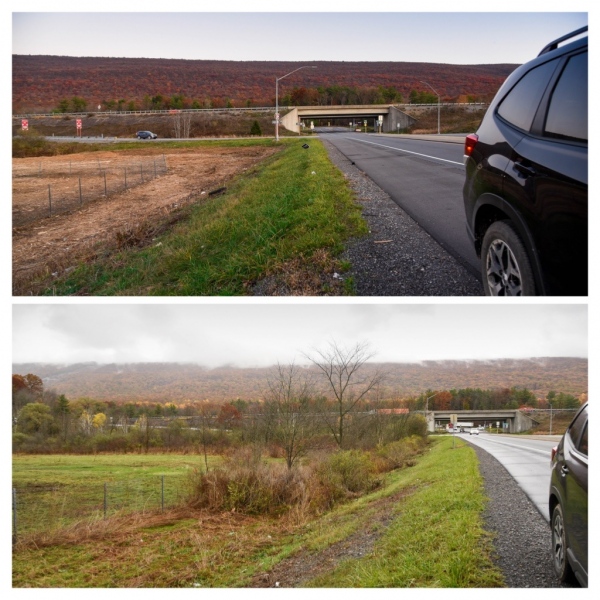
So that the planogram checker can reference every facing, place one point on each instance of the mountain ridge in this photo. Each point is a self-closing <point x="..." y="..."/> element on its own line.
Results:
<point x="40" y="82"/>
<point x="182" y="382"/>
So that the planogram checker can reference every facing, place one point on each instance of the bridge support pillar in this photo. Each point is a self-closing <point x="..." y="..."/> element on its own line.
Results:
<point x="430" y="418"/>
<point x="396" y="120"/>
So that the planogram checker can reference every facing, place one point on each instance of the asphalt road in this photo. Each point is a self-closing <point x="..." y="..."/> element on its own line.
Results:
<point x="423" y="176"/>
<point x="526" y="459"/>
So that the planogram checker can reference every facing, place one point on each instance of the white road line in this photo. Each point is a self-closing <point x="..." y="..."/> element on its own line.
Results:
<point x="453" y="162"/>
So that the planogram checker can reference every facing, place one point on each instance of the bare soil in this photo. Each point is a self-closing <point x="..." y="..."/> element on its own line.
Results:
<point x="50" y="246"/>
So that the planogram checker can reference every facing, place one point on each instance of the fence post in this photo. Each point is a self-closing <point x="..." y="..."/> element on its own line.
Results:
<point x="125" y="177"/>
<point x="162" y="493"/>
<point x="80" y="196"/>
<point x="142" y="172"/>
<point x="154" y="168"/>
<point x="50" y="198"/>
<point x="14" y="506"/>
<point x="105" y="193"/>
<point x="105" y="500"/>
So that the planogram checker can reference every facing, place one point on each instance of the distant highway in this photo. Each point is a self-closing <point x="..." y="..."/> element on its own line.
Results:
<point x="424" y="177"/>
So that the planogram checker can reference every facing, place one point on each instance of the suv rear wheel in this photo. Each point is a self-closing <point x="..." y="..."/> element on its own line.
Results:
<point x="559" y="546"/>
<point x="505" y="266"/>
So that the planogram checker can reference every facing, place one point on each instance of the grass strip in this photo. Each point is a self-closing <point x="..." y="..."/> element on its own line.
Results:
<point x="422" y="529"/>
<point x="294" y="205"/>
<point x="436" y="538"/>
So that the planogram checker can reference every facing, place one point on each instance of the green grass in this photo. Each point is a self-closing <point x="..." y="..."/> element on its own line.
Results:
<point x="292" y="207"/>
<point x="436" y="538"/>
<point x="433" y="537"/>
<point x="54" y="491"/>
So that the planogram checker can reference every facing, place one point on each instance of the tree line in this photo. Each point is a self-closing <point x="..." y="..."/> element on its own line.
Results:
<point x="298" y="96"/>
<point x="337" y="404"/>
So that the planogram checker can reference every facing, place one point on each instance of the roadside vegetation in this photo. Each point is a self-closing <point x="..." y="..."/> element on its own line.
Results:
<point x="418" y="525"/>
<point x="281" y="224"/>
<point x="316" y="486"/>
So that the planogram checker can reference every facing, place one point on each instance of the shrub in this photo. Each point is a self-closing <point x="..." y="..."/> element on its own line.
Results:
<point x="348" y="473"/>
<point x="403" y="452"/>
<point x="249" y="488"/>
<point x="255" y="129"/>
<point x="19" y="440"/>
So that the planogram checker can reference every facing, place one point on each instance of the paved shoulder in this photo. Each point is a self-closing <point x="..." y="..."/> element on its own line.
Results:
<point x="397" y="258"/>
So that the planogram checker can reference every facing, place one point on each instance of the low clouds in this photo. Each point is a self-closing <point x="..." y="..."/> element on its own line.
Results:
<point x="262" y="334"/>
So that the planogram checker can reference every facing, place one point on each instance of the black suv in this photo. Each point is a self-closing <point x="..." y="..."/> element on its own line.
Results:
<point x="526" y="187"/>
<point x="568" y="501"/>
<point x="146" y="135"/>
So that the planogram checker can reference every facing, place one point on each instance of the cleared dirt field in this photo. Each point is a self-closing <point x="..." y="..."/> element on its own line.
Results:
<point x="47" y="247"/>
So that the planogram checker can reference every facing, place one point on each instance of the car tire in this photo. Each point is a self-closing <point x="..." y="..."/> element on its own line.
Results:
<point x="561" y="564"/>
<point x="505" y="266"/>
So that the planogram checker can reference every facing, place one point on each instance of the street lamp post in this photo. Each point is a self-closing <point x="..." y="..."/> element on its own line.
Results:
<point x="427" y="405"/>
<point x="438" y="96"/>
<point x="277" y="79"/>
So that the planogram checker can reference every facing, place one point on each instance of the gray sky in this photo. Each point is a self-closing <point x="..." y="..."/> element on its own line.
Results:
<point x="252" y="334"/>
<point x="320" y="32"/>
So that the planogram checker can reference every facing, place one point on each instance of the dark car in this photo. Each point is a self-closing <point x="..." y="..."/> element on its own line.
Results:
<point x="146" y="135"/>
<point x="569" y="501"/>
<point x="526" y="186"/>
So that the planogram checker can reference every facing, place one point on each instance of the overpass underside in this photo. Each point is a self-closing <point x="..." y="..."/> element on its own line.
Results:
<point x="393" y="119"/>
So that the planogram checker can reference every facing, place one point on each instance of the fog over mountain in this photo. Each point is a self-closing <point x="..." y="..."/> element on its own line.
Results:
<point x="181" y="382"/>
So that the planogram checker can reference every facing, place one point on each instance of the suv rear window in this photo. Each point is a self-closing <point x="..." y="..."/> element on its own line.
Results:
<point x="521" y="103"/>
<point x="576" y="428"/>
<point x="568" y="112"/>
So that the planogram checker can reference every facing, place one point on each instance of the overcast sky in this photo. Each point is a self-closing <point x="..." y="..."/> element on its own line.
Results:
<point x="262" y="334"/>
<point x="320" y="32"/>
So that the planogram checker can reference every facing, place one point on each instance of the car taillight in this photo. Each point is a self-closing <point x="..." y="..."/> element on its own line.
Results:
<point x="470" y="143"/>
<point x="553" y="453"/>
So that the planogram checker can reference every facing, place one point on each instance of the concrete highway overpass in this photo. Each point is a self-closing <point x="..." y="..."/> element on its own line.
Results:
<point x="393" y="118"/>
<point x="517" y="421"/>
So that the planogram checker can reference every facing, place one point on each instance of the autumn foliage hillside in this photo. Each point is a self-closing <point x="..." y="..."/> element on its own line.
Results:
<point x="40" y="83"/>
<point x="172" y="382"/>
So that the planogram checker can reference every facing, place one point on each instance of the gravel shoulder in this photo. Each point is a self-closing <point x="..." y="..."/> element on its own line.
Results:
<point x="397" y="257"/>
<point x="522" y="537"/>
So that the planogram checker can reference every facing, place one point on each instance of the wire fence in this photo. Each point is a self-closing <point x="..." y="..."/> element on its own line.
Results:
<point x="73" y="184"/>
<point x="46" y="507"/>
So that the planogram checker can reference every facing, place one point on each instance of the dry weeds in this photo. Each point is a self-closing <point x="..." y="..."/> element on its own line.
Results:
<point x="56" y="244"/>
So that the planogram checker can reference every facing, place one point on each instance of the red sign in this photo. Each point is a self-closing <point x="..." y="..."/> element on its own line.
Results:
<point x="24" y="124"/>
<point x="78" y="123"/>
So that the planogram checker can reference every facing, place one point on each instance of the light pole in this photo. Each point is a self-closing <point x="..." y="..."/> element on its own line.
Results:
<point x="438" y="104"/>
<point x="277" y="79"/>
<point x="427" y="407"/>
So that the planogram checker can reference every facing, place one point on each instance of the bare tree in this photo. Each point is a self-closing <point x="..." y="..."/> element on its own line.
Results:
<point x="345" y="376"/>
<point x="289" y="410"/>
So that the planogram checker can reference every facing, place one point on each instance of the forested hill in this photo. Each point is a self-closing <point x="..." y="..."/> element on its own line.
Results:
<point x="40" y="83"/>
<point x="171" y="382"/>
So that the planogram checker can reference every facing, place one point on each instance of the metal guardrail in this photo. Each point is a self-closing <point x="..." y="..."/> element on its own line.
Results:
<point x="218" y="110"/>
